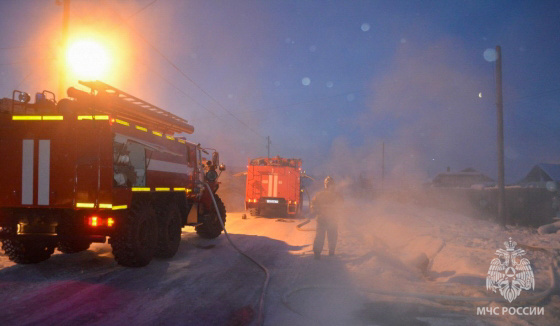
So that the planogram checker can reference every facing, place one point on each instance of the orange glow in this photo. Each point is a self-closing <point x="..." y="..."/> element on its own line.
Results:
<point x="110" y="222"/>
<point x="89" y="59"/>
<point x="101" y="52"/>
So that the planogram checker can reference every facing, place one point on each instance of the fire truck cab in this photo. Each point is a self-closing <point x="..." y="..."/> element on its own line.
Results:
<point x="97" y="165"/>
<point x="273" y="186"/>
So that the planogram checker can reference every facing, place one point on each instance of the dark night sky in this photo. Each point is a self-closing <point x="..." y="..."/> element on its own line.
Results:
<point x="328" y="81"/>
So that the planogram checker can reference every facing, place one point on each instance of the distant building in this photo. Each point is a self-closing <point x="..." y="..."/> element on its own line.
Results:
<point x="463" y="179"/>
<point x="540" y="174"/>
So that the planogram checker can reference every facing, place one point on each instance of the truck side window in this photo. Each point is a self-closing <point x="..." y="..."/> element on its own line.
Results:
<point x="129" y="164"/>
<point x="191" y="156"/>
<point x="138" y="161"/>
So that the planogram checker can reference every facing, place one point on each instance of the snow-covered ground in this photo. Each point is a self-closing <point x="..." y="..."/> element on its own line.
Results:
<point x="387" y="254"/>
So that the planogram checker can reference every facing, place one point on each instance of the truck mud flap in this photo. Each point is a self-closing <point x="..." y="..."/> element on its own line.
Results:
<point x="192" y="218"/>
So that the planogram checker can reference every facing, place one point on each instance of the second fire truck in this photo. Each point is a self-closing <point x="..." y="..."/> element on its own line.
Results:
<point x="273" y="186"/>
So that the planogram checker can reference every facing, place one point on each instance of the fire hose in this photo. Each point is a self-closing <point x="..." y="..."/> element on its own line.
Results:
<point x="299" y="226"/>
<point x="307" y="220"/>
<point x="260" y="315"/>
<point x="553" y="287"/>
<point x="429" y="296"/>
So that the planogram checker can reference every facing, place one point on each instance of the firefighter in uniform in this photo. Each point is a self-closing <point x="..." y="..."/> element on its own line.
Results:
<point x="324" y="206"/>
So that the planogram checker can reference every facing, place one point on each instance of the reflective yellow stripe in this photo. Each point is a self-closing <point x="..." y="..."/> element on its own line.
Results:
<point x="157" y="133"/>
<point x="182" y="189"/>
<point x="120" y="207"/>
<point x="141" y="128"/>
<point x="38" y="117"/>
<point x="26" y="117"/>
<point x="169" y="137"/>
<point x="182" y="141"/>
<point x="140" y="189"/>
<point x="85" y="117"/>
<point x="124" y="123"/>
<point x="53" y="117"/>
<point x="162" y="189"/>
<point x="105" y="205"/>
<point x="85" y="205"/>
<point x="101" y="117"/>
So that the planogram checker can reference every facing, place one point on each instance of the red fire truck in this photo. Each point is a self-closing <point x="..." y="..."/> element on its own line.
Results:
<point x="101" y="164"/>
<point x="274" y="186"/>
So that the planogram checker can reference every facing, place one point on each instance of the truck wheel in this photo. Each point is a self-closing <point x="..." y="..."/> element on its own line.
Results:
<point x="73" y="245"/>
<point x="26" y="251"/>
<point x="135" y="243"/>
<point x="254" y="212"/>
<point x="211" y="227"/>
<point x="169" y="233"/>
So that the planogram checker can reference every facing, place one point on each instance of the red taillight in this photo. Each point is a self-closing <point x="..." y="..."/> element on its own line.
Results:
<point x="93" y="221"/>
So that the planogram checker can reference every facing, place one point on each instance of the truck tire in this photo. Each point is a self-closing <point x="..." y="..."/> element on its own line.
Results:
<point x="169" y="233"/>
<point x="254" y="211"/>
<point x="135" y="243"/>
<point x="73" y="245"/>
<point x="211" y="226"/>
<point x="26" y="251"/>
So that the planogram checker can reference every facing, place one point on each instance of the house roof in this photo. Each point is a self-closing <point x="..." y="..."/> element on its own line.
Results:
<point x="553" y="170"/>
<point x="543" y="172"/>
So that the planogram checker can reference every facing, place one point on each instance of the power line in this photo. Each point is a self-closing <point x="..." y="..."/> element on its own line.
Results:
<point x="319" y="99"/>
<point x="534" y="122"/>
<point x="165" y="79"/>
<point x="530" y="118"/>
<point x="141" y="9"/>
<point x="23" y="46"/>
<point x="47" y="57"/>
<point x="25" y="78"/>
<point x="181" y="72"/>
<point x="314" y="100"/>
<point x="13" y="63"/>
<point x="182" y="92"/>
<point x="198" y="86"/>
<point x="517" y="99"/>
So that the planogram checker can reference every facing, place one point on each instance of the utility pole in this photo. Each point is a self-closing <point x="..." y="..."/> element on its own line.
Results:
<point x="500" y="117"/>
<point x="382" y="165"/>
<point x="268" y="146"/>
<point x="64" y="46"/>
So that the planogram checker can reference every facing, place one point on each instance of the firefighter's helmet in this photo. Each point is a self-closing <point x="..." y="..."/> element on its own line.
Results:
<point x="329" y="182"/>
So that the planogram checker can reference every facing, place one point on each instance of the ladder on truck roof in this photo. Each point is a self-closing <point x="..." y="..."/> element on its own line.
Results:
<point x="136" y="109"/>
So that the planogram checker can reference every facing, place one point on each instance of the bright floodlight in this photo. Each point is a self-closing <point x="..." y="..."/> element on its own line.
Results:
<point x="88" y="59"/>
